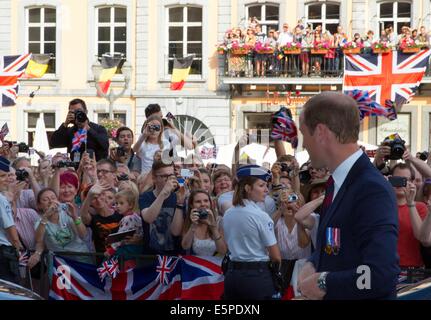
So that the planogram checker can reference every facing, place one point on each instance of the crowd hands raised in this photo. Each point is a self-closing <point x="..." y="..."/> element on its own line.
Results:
<point x="302" y="51"/>
<point x="177" y="207"/>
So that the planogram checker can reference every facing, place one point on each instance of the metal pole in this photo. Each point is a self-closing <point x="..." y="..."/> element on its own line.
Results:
<point x="111" y="99"/>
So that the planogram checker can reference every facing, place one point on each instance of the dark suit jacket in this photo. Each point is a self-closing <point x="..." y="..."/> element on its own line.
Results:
<point x="97" y="139"/>
<point x="366" y="213"/>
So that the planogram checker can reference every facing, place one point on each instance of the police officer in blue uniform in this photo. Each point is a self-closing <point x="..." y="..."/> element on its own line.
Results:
<point x="250" y="237"/>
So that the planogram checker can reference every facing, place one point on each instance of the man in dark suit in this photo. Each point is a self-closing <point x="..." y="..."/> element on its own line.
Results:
<point x="97" y="137"/>
<point x="356" y="251"/>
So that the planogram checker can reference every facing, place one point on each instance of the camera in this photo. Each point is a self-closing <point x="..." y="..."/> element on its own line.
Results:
<point x="22" y="147"/>
<point x="121" y="152"/>
<point x="123" y="177"/>
<point x="285" y="167"/>
<point x="21" y="175"/>
<point x="203" y="214"/>
<point x="154" y="127"/>
<point x="424" y="155"/>
<point x="398" y="182"/>
<point x="304" y="176"/>
<point x="397" y="146"/>
<point x="66" y="164"/>
<point x="292" y="197"/>
<point x="80" y="116"/>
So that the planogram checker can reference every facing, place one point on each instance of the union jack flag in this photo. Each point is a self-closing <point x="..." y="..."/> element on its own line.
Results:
<point x="11" y="68"/>
<point x="283" y="127"/>
<point x="190" y="277"/>
<point x="165" y="267"/>
<point x="79" y="137"/>
<point x="109" y="268"/>
<point x="392" y="76"/>
<point x="207" y="153"/>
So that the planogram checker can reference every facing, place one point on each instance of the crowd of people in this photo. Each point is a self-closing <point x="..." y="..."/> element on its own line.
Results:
<point x="73" y="202"/>
<point x="288" y="52"/>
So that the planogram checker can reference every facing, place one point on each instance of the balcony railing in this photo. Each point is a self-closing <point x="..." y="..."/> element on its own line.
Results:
<point x="300" y="64"/>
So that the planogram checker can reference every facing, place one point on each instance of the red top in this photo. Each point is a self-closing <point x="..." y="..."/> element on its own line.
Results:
<point x="408" y="245"/>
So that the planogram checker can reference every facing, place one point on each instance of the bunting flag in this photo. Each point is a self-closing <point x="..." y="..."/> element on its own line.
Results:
<point x="283" y="127"/>
<point x="109" y="268"/>
<point x="37" y="66"/>
<point x="79" y="137"/>
<point x="181" y="71"/>
<point x="167" y="278"/>
<point x="109" y="68"/>
<point x="368" y="107"/>
<point x="11" y="68"/>
<point x="4" y="132"/>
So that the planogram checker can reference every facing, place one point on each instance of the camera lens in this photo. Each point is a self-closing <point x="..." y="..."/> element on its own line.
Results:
<point x="80" y="116"/>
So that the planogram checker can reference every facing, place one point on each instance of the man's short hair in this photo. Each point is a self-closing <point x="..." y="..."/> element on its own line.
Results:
<point x="151" y="109"/>
<point x="337" y="111"/>
<point x="121" y="129"/>
<point x="78" y="101"/>
<point x="17" y="161"/>
<point x="157" y="165"/>
<point x="108" y="162"/>
<point x="402" y="166"/>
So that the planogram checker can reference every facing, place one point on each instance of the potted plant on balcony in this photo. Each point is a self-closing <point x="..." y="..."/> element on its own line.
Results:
<point x="381" y="47"/>
<point x="320" y="48"/>
<point x="239" y="49"/>
<point x="222" y="48"/>
<point x="111" y="127"/>
<point x="351" y="48"/>
<point x="263" y="48"/>
<point x="292" y="48"/>
<point x="408" y="45"/>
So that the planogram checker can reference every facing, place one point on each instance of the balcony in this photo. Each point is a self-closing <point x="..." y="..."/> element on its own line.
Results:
<point x="241" y="70"/>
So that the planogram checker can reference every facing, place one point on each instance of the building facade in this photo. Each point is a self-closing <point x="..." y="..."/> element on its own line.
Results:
<point x="149" y="33"/>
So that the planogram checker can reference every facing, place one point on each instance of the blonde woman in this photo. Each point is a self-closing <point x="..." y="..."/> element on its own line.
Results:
<point x="150" y="141"/>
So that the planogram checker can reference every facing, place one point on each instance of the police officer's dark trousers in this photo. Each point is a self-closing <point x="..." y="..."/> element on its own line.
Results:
<point x="248" y="281"/>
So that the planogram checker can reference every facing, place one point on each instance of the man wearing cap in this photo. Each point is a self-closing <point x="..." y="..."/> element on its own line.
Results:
<point x="356" y="250"/>
<point x="250" y="237"/>
<point x="9" y="240"/>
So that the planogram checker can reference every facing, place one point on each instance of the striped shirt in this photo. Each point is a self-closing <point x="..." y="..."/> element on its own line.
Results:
<point x="24" y="221"/>
<point x="288" y="242"/>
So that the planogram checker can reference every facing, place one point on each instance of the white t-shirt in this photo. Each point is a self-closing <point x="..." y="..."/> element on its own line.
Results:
<point x="146" y="154"/>
<point x="6" y="220"/>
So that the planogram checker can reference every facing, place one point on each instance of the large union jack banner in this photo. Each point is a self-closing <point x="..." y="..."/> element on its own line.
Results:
<point x="167" y="278"/>
<point x="11" y="68"/>
<point x="391" y="76"/>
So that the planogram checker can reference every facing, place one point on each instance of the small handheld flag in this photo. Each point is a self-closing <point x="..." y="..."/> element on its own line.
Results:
<point x="37" y="66"/>
<point x="4" y="132"/>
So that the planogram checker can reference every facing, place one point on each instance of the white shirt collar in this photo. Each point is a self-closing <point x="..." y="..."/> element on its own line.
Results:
<point x="341" y="172"/>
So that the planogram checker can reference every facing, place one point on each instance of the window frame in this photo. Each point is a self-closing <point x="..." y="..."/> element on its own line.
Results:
<point x="185" y="25"/>
<point x="112" y="25"/>
<point x="264" y="23"/>
<point x="394" y="19"/>
<point x="323" y="21"/>
<point x="28" y="130"/>
<point x="41" y="25"/>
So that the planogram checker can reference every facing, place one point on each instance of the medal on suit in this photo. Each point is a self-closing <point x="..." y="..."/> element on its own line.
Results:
<point x="336" y="240"/>
<point x="329" y="241"/>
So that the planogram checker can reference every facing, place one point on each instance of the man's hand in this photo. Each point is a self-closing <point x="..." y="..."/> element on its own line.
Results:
<point x="410" y="193"/>
<point x="276" y="173"/>
<point x="407" y="156"/>
<point x="306" y="271"/>
<point x="171" y="185"/>
<point x="381" y="153"/>
<point x="310" y="289"/>
<point x="70" y="118"/>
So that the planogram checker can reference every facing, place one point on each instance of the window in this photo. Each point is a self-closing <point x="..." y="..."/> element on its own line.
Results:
<point x="185" y="36"/>
<point x="397" y="14"/>
<point x="268" y="15"/>
<point x="111" y="33"/>
<point x="117" y="116"/>
<point x="41" y="33"/>
<point x="325" y="14"/>
<point x="48" y="117"/>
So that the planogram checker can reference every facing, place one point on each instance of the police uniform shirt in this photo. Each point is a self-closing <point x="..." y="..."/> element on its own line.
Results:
<point x="6" y="220"/>
<point x="248" y="232"/>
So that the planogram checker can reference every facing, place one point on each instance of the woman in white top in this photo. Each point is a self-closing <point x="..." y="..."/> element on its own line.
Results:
<point x="201" y="229"/>
<point x="150" y="141"/>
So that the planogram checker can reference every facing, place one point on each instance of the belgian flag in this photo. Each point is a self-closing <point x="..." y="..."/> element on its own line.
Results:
<point x="181" y="71"/>
<point x="109" y="68"/>
<point x="37" y="66"/>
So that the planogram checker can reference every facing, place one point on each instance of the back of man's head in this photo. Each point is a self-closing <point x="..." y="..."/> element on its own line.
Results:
<point x="335" y="110"/>
<point x="151" y="109"/>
